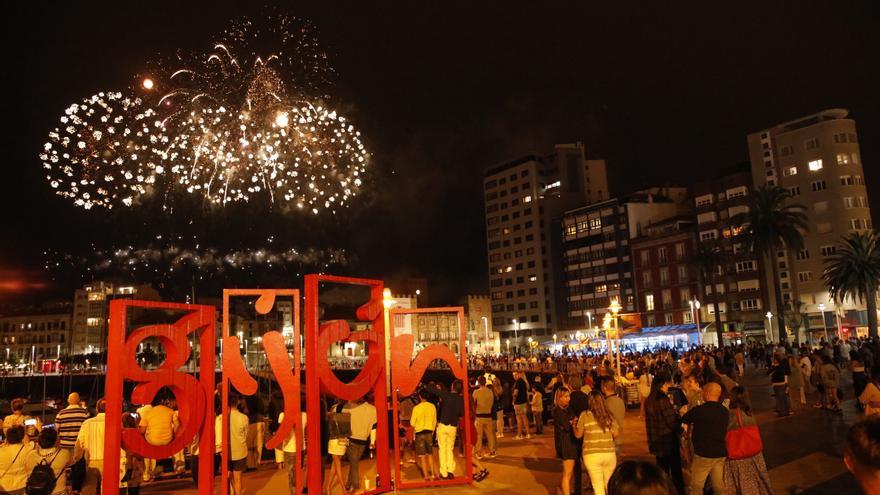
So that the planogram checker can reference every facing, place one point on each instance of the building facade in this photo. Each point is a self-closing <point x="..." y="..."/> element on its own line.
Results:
<point x="481" y="335"/>
<point x="28" y="338"/>
<point x="91" y="313"/>
<point x="742" y="290"/>
<point x="522" y="199"/>
<point x="665" y="278"/>
<point x="818" y="159"/>
<point x="596" y="252"/>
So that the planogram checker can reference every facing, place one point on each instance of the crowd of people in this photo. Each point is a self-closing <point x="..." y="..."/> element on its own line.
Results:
<point x="700" y="426"/>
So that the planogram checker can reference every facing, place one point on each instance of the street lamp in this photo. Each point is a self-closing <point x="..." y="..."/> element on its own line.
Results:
<point x="589" y="320"/>
<point x="769" y="317"/>
<point x="387" y="303"/>
<point x="486" y="327"/>
<point x="554" y="339"/>
<point x="508" y="349"/>
<point x="824" y="325"/>
<point x="695" y="315"/>
<point x="606" y="324"/>
<point x="530" y="346"/>
<point x="615" y="309"/>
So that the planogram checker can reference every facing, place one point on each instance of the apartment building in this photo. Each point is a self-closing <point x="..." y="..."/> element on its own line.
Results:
<point x="742" y="290"/>
<point x="91" y="312"/>
<point x="665" y="277"/>
<point x="596" y="251"/>
<point x="818" y="159"/>
<point x="522" y="199"/>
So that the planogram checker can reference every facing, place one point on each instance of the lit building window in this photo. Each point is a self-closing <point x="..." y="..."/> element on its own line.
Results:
<point x="649" y="302"/>
<point x="815" y="165"/>
<point x="527" y="199"/>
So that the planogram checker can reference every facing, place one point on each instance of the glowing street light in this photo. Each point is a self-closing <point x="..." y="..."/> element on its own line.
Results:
<point x="615" y="309"/>
<point x="769" y="317"/>
<point x="824" y="326"/>
<point x="148" y="84"/>
<point x="485" y="327"/>
<point x="554" y="339"/>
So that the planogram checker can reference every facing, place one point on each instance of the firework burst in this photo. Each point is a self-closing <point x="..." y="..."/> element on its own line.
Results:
<point x="246" y="119"/>
<point x="102" y="154"/>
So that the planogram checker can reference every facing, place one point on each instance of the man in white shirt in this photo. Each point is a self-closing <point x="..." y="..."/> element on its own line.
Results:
<point x="363" y="420"/>
<point x="90" y="446"/>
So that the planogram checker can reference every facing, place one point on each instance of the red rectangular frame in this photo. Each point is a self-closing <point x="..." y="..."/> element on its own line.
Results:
<point x="117" y="373"/>
<point x="468" y="449"/>
<point x="313" y="381"/>
<point x="297" y="357"/>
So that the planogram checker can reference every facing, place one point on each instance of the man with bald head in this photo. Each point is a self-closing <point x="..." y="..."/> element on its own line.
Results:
<point x="709" y="429"/>
<point x="69" y="420"/>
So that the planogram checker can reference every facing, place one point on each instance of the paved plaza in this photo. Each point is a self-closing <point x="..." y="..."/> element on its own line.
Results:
<point x="804" y="453"/>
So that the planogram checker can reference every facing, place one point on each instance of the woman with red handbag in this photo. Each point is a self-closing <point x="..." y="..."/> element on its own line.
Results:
<point x="745" y="471"/>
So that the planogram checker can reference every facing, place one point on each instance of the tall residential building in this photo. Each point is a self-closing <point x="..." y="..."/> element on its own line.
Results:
<point x="522" y="198"/>
<point x="91" y="312"/>
<point x="742" y="292"/>
<point x="665" y="279"/>
<point x="817" y="158"/>
<point x="596" y="249"/>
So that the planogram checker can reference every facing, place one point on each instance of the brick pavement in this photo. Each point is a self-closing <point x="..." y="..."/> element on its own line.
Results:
<point x="803" y="453"/>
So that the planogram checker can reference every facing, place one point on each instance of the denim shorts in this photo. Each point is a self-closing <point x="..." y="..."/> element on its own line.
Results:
<point x="424" y="443"/>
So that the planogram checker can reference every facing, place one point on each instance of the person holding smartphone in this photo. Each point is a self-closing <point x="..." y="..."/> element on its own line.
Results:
<point x="32" y="426"/>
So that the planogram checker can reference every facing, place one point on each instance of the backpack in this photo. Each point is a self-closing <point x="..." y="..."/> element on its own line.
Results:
<point x="42" y="479"/>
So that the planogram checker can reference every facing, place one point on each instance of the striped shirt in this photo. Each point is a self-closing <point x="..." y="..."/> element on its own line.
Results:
<point x="68" y="421"/>
<point x="596" y="440"/>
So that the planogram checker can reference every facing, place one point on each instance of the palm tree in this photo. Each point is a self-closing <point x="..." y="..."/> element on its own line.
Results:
<point x="771" y="225"/>
<point x="794" y="313"/>
<point x="854" y="272"/>
<point x="708" y="258"/>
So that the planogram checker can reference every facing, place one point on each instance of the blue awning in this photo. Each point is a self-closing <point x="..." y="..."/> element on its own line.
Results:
<point x="647" y="332"/>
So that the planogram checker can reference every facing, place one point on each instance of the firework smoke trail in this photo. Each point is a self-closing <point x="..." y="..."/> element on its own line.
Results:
<point x="160" y="263"/>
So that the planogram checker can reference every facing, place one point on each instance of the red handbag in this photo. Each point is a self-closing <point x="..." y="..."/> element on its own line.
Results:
<point x="743" y="442"/>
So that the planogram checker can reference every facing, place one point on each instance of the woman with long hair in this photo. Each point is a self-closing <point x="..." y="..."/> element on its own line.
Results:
<point x="598" y="429"/>
<point x="747" y="475"/>
<point x="340" y="428"/>
<point x="663" y="426"/>
<point x="563" y="435"/>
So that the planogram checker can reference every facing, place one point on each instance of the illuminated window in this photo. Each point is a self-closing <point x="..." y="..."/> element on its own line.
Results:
<point x="791" y="171"/>
<point x="842" y="158"/>
<point x="815" y="165"/>
<point x="96" y="296"/>
<point x="93" y="322"/>
<point x="649" y="302"/>
<point x="527" y="199"/>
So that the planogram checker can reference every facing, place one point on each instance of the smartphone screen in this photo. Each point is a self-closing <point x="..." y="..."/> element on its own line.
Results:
<point x="30" y="422"/>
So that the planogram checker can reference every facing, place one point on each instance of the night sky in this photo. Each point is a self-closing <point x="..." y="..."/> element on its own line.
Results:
<point x="442" y="90"/>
